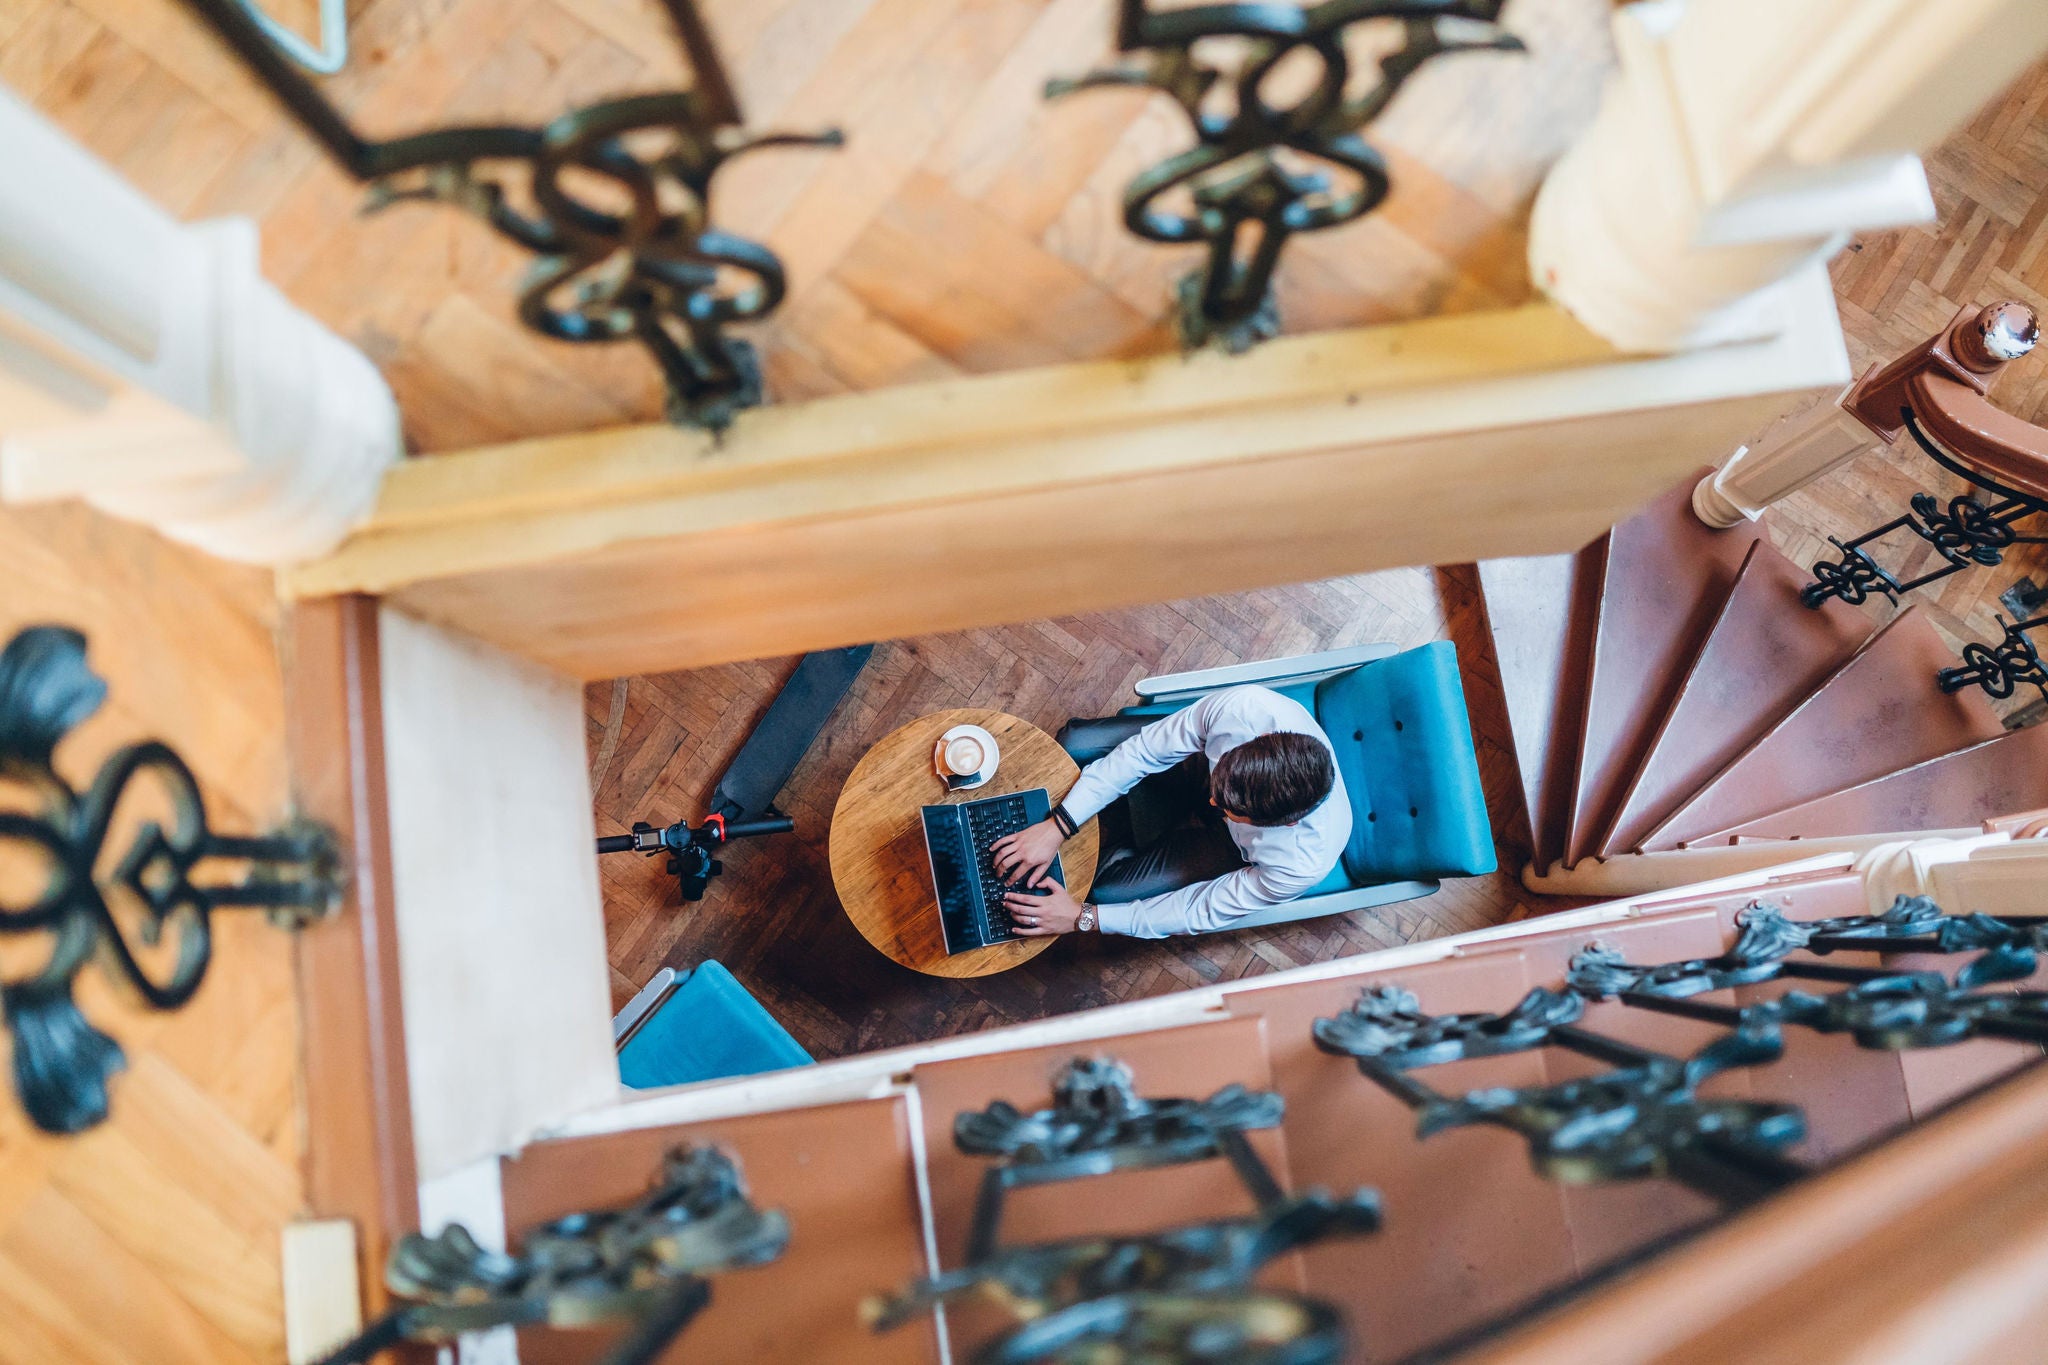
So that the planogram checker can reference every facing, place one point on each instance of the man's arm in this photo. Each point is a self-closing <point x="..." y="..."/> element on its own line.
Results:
<point x="1154" y="749"/>
<point x="1203" y="908"/>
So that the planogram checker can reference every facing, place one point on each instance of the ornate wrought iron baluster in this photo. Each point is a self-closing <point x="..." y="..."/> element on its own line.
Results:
<point x="158" y="884"/>
<point x="1880" y="1007"/>
<point x="640" y="1267"/>
<point x="1244" y="199"/>
<point x="1184" y="1294"/>
<point x="2002" y="668"/>
<point x="1641" y="1119"/>
<point x="1967" y="532"/>
<point x="653" y="273"/>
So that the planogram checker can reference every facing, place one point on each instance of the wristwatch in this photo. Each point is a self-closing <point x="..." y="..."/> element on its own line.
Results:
<point x="1086" y="924"/>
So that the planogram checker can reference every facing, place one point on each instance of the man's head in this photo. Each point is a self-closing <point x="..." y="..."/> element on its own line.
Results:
<point x="1274" y="779"/>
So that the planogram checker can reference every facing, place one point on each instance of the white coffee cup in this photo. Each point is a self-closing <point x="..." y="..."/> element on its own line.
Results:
<point x="963" y="756"/>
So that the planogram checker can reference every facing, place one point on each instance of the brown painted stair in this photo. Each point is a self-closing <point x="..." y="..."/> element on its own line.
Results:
<point x="1668" y="689"/>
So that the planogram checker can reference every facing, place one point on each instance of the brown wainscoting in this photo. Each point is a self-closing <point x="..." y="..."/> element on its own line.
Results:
<point x="358" y="1154"/>
<point x="843" y="1174"/>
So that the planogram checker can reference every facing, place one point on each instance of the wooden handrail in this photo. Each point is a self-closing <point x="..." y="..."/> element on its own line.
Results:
<point x="357" y="1135"/>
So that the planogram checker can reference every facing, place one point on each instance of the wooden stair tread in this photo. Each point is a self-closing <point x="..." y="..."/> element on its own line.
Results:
<point x="1955" y="791"/>
<point x="1879" y="713"/>
<point x="843" y="1246"/>
<point x="1540" y="611"/>
<point x="1765" y="654"/>
<point x="1666" y="578"/>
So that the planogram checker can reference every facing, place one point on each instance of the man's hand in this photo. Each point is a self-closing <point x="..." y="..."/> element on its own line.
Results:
<point x="1056" y="912"/>
<point x="1023" y="857"/>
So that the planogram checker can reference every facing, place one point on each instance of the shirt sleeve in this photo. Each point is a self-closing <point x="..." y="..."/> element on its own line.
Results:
<point x="1202" y="908"/>
<point x="1154" y="749"/>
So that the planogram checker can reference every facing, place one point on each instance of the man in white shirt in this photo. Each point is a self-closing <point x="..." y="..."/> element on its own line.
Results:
<point x="1265" y="818"/>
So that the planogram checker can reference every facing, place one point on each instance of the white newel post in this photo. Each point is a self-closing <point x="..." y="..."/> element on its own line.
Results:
<point x="1742" y="140"/>
<point x="1992" y="874"/>
<point x="147" y="367"/>
<point x="1797" y="450"/>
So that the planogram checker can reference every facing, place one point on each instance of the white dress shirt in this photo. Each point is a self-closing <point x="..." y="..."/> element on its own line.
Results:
<point x="1284" y="860"/>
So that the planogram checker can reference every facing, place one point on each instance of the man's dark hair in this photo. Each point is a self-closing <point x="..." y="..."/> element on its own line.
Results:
<point x="1274" y="779"/>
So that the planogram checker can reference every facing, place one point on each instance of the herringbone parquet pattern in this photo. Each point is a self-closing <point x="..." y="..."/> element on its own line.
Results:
<point x="966" y="226"/>
<point x="659" y="743"/>
<point x="155" y="1237"/>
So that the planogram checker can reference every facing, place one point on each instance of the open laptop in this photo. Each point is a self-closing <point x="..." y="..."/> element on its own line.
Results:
<point x="970" y="891"/>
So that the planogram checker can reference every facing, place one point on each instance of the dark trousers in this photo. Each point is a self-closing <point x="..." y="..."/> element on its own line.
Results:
<point x="1164" y="835"/>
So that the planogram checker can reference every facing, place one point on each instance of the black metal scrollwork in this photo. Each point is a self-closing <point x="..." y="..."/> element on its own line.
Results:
<point x="2003" y="668"/>
<point x="1184" y="1294"/>
<point x="1639" y="1119"/>
<point x="1880" y="1007"/>
<point x="1646" y="1118"/>
<point x="1261" y="172"/>
<point x="1643" y="1115"/>
<point x="641" y="1267"/>
<point x="1766" y="937"/>
<point x="132" y="906"/>
<point x="1388" y="1024"/>
<point x="1967" y="532"/>
<point x="644" y="264"/>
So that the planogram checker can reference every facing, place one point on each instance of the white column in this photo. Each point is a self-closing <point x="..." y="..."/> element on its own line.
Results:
<point x="1797" y="450"/>
<point x="147" y="367"/>
<point x="1992" y="874"/>
<point x="1744" y="139"/>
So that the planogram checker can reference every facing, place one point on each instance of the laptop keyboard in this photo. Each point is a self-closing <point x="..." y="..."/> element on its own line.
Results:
<point x="987" y="821"/>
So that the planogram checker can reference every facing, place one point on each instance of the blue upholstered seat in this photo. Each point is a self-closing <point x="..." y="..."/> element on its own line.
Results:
<point x="708" y="1029"/>
<point x="1404" y="747"/>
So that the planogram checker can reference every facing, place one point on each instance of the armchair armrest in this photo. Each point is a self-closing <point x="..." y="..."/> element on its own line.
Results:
<point x="650" y="998"/>
<point x="1340" y="902"/>
<point x="1300" y="668"/>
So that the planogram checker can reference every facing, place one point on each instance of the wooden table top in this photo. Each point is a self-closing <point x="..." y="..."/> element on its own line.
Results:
<point x="879" y="863"/>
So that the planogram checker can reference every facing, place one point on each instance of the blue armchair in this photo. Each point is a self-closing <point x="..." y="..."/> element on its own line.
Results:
<point x="699" y="1025"/>
<point x="1404" y="747"/>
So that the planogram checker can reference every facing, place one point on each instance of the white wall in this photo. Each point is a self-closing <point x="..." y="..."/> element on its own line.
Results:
<point x="500" y="924"/>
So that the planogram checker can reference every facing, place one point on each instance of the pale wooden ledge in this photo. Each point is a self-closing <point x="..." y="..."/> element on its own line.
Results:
<point x="1069" y="488"/>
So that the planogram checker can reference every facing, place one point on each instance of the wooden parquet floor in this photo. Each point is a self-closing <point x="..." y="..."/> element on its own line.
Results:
<point x="658" y="744"/>
<point x="966" y="226"/>
<point x="1894" y="289"/>
<point x="156" y="1236"/>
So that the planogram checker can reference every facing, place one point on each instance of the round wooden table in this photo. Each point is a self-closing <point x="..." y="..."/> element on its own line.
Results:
<point x="879" y="863"/>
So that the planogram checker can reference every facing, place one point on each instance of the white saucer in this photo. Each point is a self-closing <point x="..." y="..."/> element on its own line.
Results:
<point x="992" y="755"/>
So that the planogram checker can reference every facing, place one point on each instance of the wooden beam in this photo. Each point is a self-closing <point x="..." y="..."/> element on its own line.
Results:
<point x="1070" y="488"/>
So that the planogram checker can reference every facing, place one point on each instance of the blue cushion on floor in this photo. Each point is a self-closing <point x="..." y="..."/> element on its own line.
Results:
<point x="709" y="1028"/>
<point x="1404" y="746"/>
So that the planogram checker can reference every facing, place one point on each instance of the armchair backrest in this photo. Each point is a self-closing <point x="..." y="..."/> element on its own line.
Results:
<point x="1404" y="747"/>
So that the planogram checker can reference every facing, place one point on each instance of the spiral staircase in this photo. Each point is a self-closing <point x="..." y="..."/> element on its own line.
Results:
<point x="1667" y="689"/>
